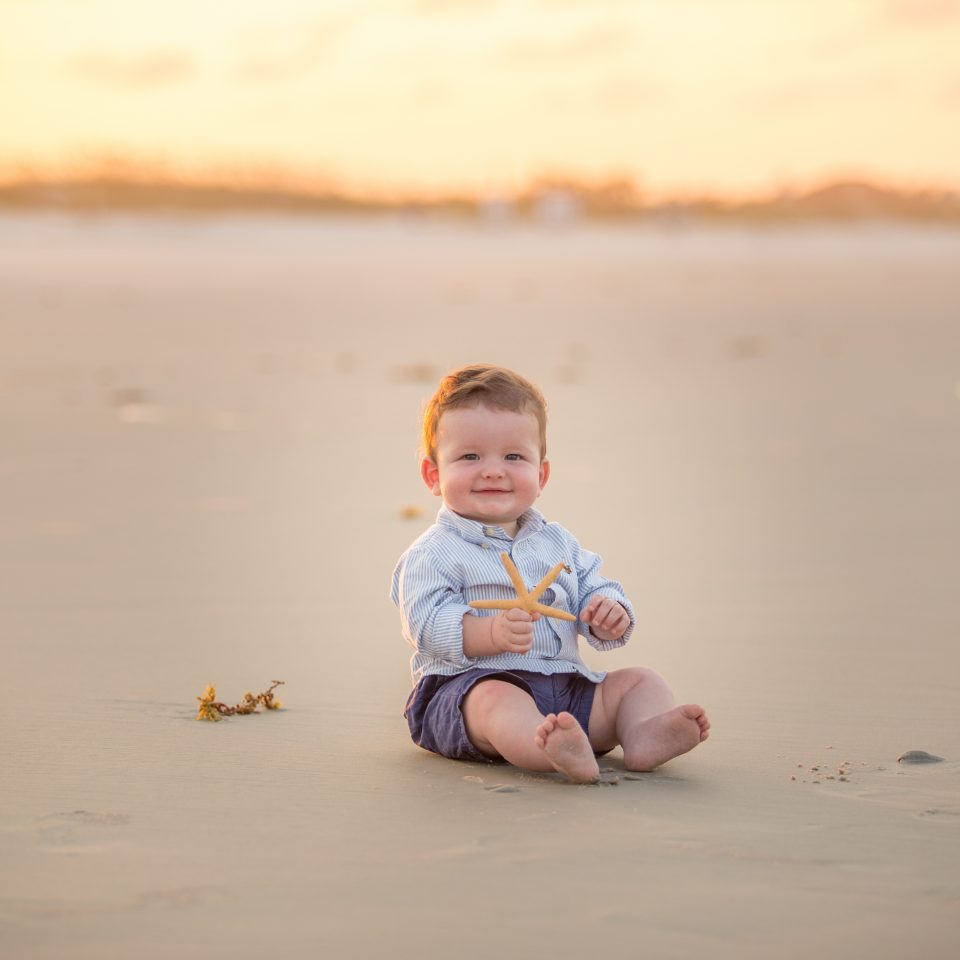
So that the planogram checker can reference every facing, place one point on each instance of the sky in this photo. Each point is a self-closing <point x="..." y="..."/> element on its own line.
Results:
<point x="731" y="97"/>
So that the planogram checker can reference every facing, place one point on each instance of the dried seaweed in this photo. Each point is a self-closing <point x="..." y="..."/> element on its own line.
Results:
<point x="213" y="709"/>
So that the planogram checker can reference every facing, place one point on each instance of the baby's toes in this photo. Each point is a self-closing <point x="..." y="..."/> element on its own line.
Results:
<point x="544" y="730"/>
<point x="566" y="721"/>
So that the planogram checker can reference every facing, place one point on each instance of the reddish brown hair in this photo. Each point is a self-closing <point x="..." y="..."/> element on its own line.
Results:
<point x="481" y="384"/>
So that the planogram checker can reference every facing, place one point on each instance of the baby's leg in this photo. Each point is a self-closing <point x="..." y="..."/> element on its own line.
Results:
<point x="634" y="707"/>
<point x="502" y="720"/>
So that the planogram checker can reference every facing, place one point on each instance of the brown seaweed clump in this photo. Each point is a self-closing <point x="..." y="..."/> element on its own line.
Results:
<point x="212" y="709"/>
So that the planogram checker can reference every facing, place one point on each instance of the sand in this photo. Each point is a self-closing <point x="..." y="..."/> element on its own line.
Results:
<point x="208" y="469"/>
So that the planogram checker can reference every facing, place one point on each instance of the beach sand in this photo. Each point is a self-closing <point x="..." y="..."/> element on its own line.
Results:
<point x="208" y="469"/>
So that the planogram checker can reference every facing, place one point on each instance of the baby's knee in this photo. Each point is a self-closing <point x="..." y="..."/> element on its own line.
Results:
<point x="488" y="695"/>
<point x="643" y="676"/>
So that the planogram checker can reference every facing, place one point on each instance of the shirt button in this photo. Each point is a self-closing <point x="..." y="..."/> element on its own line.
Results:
<point x="489" y="531"/>
<point x="485" y="546"/>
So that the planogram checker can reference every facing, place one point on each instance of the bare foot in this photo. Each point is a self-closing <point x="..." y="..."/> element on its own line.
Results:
<point x="565" y="743"/>
<point x="664" y="737"/>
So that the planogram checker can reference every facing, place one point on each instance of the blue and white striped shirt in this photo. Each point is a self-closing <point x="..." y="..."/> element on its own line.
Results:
<point x="458" y="560"/>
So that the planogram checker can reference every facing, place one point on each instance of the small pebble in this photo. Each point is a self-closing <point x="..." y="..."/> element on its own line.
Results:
<point x="844" y="779"/>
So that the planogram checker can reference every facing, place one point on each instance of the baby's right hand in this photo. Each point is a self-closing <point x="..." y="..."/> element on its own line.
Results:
<point x="512" y="631"/>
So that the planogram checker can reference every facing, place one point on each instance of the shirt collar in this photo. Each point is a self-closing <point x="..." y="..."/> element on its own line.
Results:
<point x="473" y="531"/>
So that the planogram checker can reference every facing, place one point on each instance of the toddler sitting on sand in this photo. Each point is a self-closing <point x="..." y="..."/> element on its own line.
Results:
<point x="510" y="685"/>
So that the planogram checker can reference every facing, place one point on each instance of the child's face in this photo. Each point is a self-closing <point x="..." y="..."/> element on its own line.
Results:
<point x="488" y="465"/>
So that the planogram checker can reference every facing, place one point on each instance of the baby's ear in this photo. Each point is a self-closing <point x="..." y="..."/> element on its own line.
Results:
<point x="431" y="475"/>
<point x="544" y="473"/>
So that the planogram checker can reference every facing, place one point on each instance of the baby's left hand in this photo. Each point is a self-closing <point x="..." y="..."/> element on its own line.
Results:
<point x="608" y="619"/>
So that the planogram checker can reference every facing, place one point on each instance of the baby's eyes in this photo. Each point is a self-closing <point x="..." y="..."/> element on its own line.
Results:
<point x="476" y="456"/>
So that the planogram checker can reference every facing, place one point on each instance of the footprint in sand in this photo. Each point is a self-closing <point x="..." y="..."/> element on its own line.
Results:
<point x="84" y="818"/>
<point x="77" y="831"/>
<point x="415" y="373"/>
<point x="494" y="787"/>
<point x="652" y="777"/>
<point x="134" y="405"/>
<point x="918" y="756"/>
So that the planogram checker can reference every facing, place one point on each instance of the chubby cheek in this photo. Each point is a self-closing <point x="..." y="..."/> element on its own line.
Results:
<point x="532" y="480"/>
<point x="455" y="483"/>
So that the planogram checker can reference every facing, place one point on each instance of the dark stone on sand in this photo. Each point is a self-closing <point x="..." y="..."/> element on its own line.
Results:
<point x="918" y="756"/>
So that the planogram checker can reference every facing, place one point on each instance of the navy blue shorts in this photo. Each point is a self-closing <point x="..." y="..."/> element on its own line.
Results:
<point x="435" y="718"/>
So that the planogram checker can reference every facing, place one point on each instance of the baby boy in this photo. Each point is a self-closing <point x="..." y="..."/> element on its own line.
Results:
<point x="507" y="684"/>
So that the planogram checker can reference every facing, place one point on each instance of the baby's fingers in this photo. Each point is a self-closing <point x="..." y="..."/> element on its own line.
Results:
<point x="516" y="615"/>
<point x="520" y="644"/>
<point x="520" y="628"/>
<point x="589" y="611"/>
<point x="607" y="615"/>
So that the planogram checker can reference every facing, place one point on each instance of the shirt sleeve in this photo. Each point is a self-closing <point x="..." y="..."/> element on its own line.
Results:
<point x="592" y="583"/>
<point x="432" y="606"/>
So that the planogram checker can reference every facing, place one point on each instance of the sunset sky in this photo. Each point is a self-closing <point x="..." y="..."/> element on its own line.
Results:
<point x="730" y="96"/>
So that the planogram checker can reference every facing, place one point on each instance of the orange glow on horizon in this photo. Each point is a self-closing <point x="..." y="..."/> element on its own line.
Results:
<point x="482" y="97"/>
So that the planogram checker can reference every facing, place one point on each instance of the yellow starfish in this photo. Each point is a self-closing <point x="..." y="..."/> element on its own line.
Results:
<point x="526" y="599"/>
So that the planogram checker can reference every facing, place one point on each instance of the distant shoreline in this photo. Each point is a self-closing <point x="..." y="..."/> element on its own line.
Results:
<point x="550" y="203"/>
